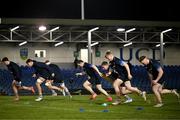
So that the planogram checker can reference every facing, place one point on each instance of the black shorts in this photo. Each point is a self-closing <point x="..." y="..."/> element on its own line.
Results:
<point x="58" y="79"/>
<point x="18" y="83"/>
<point x="113" y="76"/>
<point x="46" y="76"/>
<point x="95" y="80"/>
<point x="161" y="81"/>
<point x="16" y="78"/>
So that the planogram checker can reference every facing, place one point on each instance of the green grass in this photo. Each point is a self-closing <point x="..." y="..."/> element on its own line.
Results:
<point x="62" y="108"/>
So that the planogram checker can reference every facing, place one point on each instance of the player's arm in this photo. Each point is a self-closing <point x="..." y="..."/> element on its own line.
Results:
<point x="110" y="70"/>
<point x="128" y="70"/>
<point x="160" y="74"/>
<point x="97" y="70"/>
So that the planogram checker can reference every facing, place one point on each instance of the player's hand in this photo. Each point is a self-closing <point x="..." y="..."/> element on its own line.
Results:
<point x="154" y="82"/>
<point x="129" y="76"/>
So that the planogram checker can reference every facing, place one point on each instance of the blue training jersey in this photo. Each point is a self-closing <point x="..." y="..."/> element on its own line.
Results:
<point x="118" y="65"/>
<point x="89" y="70"/>
<point x="153" y="68"/>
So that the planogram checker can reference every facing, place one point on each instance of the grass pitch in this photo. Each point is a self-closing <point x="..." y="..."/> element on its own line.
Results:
<point x="79" y="107"/>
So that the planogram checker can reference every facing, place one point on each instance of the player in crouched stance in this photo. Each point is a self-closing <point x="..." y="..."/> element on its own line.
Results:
<point x="112" y="77"/>
<point x="58" y="78"/>
<point x="124" y="75"/>
<point x="44" y="74"/>
<point x="16" y="73"/>
<point x="94" y="78"/>
<point x="155" y="72"/>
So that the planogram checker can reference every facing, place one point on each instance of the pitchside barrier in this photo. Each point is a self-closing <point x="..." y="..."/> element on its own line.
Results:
<point x="74" y="83"/>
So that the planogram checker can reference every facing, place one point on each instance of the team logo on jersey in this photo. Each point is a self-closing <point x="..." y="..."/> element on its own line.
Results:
<point x="24" y="53"/>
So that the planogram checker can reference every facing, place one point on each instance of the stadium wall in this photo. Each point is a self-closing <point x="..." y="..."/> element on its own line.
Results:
<point x="65" y="53"/>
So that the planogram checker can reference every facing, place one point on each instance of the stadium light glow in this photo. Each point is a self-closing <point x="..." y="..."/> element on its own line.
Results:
<point x="56" y="28"/>
<point x="127" y="44"/>
<point x="59" y="43"/>
<point x="130" y="30"/>
<point x="42" y="28"/>
<point x="121" y="29"/>
<point x="15" y="28"/>
<point x="23" y="43"/>
<point x="160" y="44"/>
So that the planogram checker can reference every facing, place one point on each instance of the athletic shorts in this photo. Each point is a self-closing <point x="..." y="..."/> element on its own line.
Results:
<point x="46" y="76"/>
<point x="58" y="79"/>
<point x="96" y="79"/>
<point x="18" y="83"/>
<point x="16" y="78"/>
<point x="124" y="77"/>
<point x="161" y="81"/>
<point x="113" y="76"/>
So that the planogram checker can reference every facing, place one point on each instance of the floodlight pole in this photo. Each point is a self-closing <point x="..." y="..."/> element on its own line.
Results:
<point x="89" y="44"/>
<point x="11" y="35"/>
<point x="161" y="49"/>
<point x="125" y="36"/>
<point x="50" y="35"/>
<point x="161" y="45"/>
<point x="82" y="9"/>
<point x="130" y="30"/>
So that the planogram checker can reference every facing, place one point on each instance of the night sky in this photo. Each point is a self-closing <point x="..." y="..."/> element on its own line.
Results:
<point x="94" y="9"/>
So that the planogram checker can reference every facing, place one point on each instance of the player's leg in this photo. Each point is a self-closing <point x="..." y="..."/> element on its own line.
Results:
<point x="65" y="89"/>
<point x="27" y="88"/>
<point x="116" y="85"/>
<point x="167" y="91"/>
<point x="124" y="93"/>
<point x="157" y="94"/>
<point x="15" y="90"/>
<point x="40" y="80"/>
<point x="125" y="90"/>
<point x="88" y="87"/>
<point x="51" y="87"/>
<point x="97" y="81"/>
<point x="134" y="89"/>
<point x="54" y="93"/>
<point x="99" y="87"/>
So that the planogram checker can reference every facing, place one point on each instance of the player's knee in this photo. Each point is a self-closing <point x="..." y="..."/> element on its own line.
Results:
<point x="129" y="87"/>
<point x="99" y="87"/>
<point x="155" y="89"/>
<point x="39" y="81"/>
<point x="85" y="85"/>
<point x="48" y="84"/>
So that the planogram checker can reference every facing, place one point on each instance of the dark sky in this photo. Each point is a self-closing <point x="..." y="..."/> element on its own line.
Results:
<point x="94" y="9"/>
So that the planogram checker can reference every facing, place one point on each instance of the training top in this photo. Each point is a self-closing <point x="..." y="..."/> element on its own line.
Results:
<point x="118" y="65"/>
<point x="15" y="70"/>
<point x="89" y="70"/>
<point x="42" y="68"/>
<point x="153" y="67"/>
